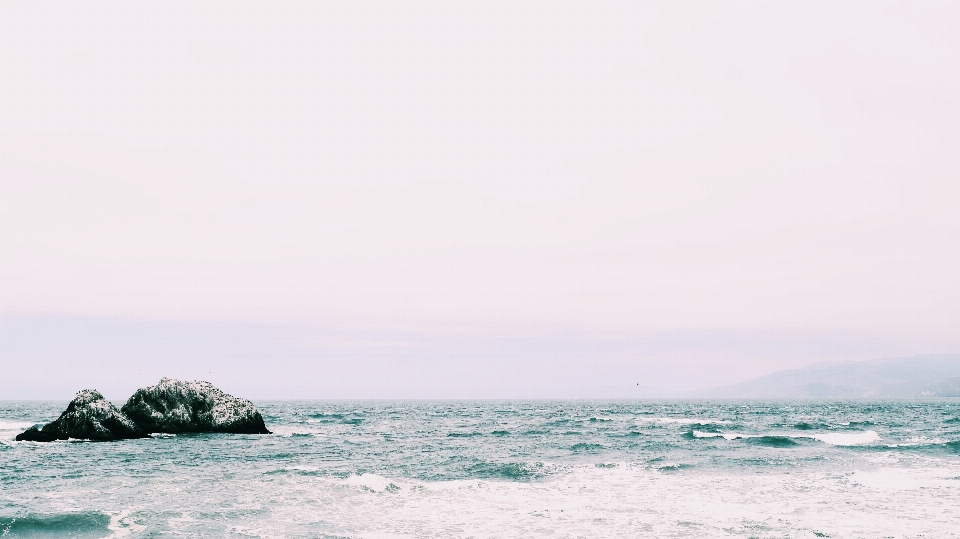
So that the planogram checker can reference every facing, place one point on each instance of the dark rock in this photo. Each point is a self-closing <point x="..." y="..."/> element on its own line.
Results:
<point x="176" y="406"/>
<point x="88" y="416"/>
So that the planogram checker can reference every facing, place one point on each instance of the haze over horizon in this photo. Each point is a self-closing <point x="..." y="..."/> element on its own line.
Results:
<point x="472" y="200"/>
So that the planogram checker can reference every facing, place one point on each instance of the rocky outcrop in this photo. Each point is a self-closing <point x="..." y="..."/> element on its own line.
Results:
<point x="88" y="416"/>
<point x="177" y="406"/>
<point x="172" y="406"/>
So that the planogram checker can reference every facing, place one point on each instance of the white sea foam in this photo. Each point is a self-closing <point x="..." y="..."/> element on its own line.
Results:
<point x="905" y="478"/>
<point x="848" y="438"/>
<point x="10" y="429"/>
<point x="122" y="525"/>
<point x="625" y="501"/>
<point x="15" y="425"/>
<point x="372" y="482"/>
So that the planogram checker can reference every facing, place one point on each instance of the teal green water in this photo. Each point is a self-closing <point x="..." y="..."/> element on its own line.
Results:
<point x="503" y="469"/>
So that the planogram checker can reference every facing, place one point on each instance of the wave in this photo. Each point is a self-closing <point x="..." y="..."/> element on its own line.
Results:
<point x="920" y="441"/>
<point x="586" y="447"/>
<point x="673" y="467"/>
<point x="844" y="439"/>
<point x="289" y="431"/>
<point x="84" y="525"/>
<point x="335" y="418"/>
<point x="295" y="471"/>
<point x="773" y="441"/>
<point x="803" y="425"/>
<point x="832" y="438"/>
<point x="683" y="420"/>
<point x="726" y="436"/>
<point x="463" y="434"/>
<point x="813" y="425"/>
<point x="709" y="427"/>
<point x="514" y="471"/>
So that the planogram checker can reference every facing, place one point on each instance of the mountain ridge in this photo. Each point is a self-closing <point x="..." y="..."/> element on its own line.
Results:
<point x="926" y="375"/>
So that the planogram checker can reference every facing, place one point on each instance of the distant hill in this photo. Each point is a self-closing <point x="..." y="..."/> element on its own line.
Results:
<point x="932" y="375"/>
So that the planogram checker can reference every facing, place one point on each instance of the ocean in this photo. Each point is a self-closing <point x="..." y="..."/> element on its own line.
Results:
<point x="460" y="469"/>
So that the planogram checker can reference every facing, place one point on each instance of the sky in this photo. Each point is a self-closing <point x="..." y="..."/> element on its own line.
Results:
<point x="472" y="200"/>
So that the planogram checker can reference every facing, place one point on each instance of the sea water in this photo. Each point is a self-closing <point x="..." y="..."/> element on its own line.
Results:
<point x="563" y="469"/>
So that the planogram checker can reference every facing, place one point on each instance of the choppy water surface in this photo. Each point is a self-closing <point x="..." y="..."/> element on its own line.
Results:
<point x="503" y="469"/>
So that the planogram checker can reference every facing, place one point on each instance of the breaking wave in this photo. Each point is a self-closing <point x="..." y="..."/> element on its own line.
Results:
<point x="83" y="525"/>
<point x="785" y="440"/>
<point x="513" y="471"/>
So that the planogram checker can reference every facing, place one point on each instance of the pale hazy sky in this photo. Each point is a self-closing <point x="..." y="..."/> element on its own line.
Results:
<point x="472" y="199"/>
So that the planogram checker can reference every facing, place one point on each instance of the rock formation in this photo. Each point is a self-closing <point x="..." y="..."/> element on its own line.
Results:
<point x="172" y="406"/>
<point x="88" y="416"/>
<point x="177" y="406"/>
